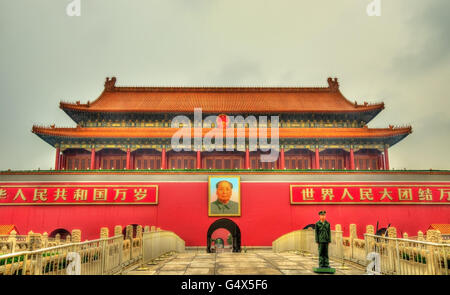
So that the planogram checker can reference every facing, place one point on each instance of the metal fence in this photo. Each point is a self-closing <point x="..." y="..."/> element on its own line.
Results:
<point x="409" y="257"/>
<point x="102" y="256"/>
<point x="354" y="250"/>
<point x="389" y="255"/>
<point x="97" y="257"/>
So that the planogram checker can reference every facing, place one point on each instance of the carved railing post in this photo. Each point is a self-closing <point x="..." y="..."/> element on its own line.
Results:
<point x="370" y="242"/>
<point x="432" y="237"/>
<point x="45" y="240"/>
<point x="352" y="237"/>
<point x="76" y="236"/>
<point x="12" y="239"/>
<point x="420" y="235"/>
<point x="129" y="232"/>
<point x="35" y="241"/>
<point x="117" y="230"/>
<point x="438" y="236"/>
<point x="28" y="240"/>
<point x="139" y="232"/>
<point x="104" y="233"/>
<point x="393" y="251"/>
<point x="339" y="243"/>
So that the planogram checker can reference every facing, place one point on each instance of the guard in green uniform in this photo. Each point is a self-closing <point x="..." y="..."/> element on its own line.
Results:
<point x="323" y="238"/>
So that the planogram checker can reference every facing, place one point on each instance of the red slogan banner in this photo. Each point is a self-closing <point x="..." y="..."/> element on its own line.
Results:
<point x="377" y="194"/>
<point x="78" y="194"/>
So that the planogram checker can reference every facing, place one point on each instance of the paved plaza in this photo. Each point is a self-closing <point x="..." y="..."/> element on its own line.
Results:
<point x="259" y="262"/>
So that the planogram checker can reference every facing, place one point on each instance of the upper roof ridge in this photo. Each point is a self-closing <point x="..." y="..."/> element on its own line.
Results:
<point x="110" y="86"/>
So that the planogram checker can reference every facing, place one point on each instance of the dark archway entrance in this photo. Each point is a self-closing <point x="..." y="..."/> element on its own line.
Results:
<point x="311" y="226"/>
<point x="63" y="233"/>
<point x="228" y="225"/>
<point x="124" y="230"/>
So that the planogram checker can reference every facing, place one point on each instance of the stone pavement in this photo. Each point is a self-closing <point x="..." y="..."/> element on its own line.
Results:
<point x="260" y="262"/>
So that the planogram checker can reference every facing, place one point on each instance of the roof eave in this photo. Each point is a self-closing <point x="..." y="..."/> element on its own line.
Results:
<point x="86" y="108"/>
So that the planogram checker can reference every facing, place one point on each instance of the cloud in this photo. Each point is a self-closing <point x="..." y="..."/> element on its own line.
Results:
<point x="239" y="72"/>
<point x="400" y="58"/>
<point x="429" y="39"/>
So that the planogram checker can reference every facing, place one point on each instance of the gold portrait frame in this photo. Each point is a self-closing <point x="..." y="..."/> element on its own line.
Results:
<point x="225" y="177"/>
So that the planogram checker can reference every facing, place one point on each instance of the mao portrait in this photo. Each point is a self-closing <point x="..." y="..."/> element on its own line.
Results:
<point x="224" y="196"/>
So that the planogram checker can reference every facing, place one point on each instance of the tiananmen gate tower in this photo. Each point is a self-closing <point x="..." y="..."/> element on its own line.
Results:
<point x="118" y="166"/>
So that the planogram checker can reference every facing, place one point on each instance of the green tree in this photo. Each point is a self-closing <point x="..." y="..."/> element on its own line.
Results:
<point x="230" y="239"/>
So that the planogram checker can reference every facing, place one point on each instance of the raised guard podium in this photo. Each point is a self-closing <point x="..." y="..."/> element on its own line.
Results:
<point x="324" y="270"/>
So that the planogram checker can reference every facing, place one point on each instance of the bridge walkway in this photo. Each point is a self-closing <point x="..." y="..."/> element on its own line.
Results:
<point x="258" y="262"/>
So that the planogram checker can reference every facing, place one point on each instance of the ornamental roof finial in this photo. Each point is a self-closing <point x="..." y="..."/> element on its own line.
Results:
<point x="110" y="84"/>
<point x="333" y="84"/>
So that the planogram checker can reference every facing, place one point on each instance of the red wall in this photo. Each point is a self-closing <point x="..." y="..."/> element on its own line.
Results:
<point x="183" y="208"/>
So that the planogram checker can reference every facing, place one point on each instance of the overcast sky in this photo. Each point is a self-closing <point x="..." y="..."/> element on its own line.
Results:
<point x="400" y="58"/>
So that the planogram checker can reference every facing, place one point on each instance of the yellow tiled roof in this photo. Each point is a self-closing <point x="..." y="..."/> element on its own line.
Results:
<point x="222" y="99"/>
<point x="5" y="229"/>
<point x="442" y="227"/>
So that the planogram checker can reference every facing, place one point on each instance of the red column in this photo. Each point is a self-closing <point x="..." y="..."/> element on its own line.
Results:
<point x="379" y="162"/>
<point x="163" y="158"/>
<point x="199" y="160"/>
<point x="57" y="159"/>
<point x="352" y="159"/>
<point x="92" y="159"/>
<point x="317" y="160"/>
<point x="128" y="158"/>
<point x="99" y="162"/>
<point x="386" y="158"/>
<point x="61" y="163"/>
<point x="247" y="159"/>
<point x="281" y="166"/>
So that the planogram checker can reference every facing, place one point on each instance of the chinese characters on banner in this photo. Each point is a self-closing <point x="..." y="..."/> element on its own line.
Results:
<point x="377" y="193"/>
<point x="78" y="194"/>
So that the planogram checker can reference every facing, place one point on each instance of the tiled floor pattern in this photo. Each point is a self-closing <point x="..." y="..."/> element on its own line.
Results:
<point x="263" y="262"/>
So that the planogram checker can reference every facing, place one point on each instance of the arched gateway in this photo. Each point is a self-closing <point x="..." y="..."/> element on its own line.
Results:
<point x="229" y="225"/>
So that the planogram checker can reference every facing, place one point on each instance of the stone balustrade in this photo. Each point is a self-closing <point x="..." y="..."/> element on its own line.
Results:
<point x="425" y="255"/>
<point x="107" y="255"/>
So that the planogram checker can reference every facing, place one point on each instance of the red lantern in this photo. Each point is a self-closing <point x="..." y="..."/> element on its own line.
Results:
<point x="222" y="120"/>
